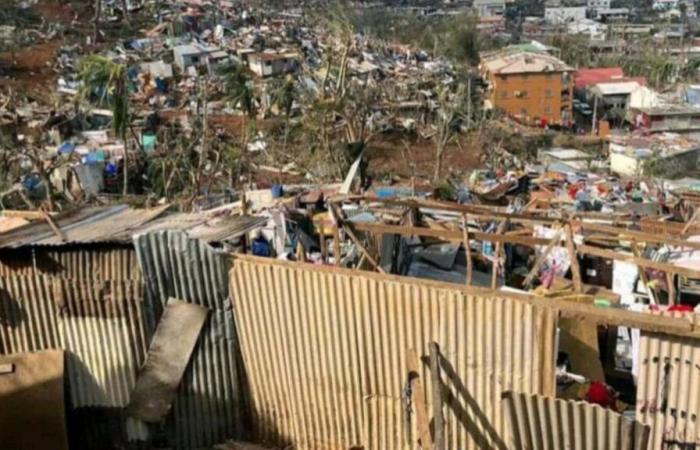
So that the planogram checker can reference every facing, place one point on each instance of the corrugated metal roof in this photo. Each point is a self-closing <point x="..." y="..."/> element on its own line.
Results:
<point x="208" y="408"/>
<point x="118" y="224"/>
<point x="547" y="423"/>
<point x="325" y="351"/>
<point x="86" y="225"/>
<point x="668" y="389"/>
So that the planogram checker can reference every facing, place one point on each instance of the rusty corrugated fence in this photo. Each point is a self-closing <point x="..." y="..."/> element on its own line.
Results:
<point x="324" y="351"/>
<point x="545" y="423"/>
<point x="668" y="389"/>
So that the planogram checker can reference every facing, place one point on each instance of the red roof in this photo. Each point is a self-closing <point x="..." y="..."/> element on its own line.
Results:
<point x="586" y="77"/>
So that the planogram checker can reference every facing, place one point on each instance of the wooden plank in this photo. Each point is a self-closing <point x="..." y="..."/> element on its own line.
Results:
<point x="436" y="388"/>
<point x="336" y="246"/>
<point x="29" y="215"/>
<point x="497" y="255"/>
<point x="639" y="236"/>
<point x="643" y="275"/>
<point x="168" y="355"/>
<point x="641" y="262"/>
<point x="449" y="235"/>
<point x="538" y="263"/>
<point x="467" y="249"/>
<point x="57" y="231"/>
<point x="418" y="398"/>
<point x="351" y="234"/>
<point x="575" y="268"/>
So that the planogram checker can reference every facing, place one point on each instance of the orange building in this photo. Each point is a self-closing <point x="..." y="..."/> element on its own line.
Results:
<point x="533" y="87"/>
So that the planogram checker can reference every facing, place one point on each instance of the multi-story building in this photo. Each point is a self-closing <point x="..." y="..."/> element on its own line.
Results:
<point x="533" y="87"/>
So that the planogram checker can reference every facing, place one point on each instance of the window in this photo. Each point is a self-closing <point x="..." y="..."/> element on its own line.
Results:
<point x="548" y="93"/>
<point x="525" y="77"/>
<point x="549" y="76"/>
<point x="268" y="63"/>
<point x="523" y="111"/>
<point x="547" y="109"/>
<point x="504" y="95"/>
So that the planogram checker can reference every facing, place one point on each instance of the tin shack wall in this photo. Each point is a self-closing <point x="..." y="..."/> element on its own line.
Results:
<point x="668" y="389"/>
<point x="209" y="406"/>
<point x="325" y="354"/>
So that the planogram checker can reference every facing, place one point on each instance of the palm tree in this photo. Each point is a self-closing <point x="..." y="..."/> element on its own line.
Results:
<point x="238" y="90"/>
<point x="105" y="82"/>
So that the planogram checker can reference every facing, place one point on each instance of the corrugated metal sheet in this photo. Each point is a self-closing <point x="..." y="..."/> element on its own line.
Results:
<point x="668" y="389"/>
<point x="28" y="316"/>
<point x="104" y="332"/>
<point x="100" y="324"/>
<point x="120" y="223"/>
<point x="85" y="262"/>
<point x="546" y="423"/>
<point x="325" y="353"/>
<point x="208" y="406"/>
<point x="94" y="224"/>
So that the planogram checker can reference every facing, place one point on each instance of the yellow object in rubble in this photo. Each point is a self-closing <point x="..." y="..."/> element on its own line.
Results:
<point x="323" y="224"/>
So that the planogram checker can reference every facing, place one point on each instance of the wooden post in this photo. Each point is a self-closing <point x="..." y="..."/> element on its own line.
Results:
<point x="324" y="250"/>
<point x="575" y="269"/>
<point x="670" y="281"/>
<point x="643" y="275"/>
<point x="467" y="250"/>
<point x="414" y="371"/>
<point x="436" y="387"/>
<point x="336" y="245"/>
<point x="497" y="255"/>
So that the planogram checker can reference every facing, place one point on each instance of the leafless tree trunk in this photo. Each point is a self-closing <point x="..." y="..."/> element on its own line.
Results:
<point x="98" y="13"/>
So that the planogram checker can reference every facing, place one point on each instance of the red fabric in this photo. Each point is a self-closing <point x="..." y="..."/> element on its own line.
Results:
<point x="572" y="191"/>
<point x="599" y="394"/>
<point x="681" y="308"/>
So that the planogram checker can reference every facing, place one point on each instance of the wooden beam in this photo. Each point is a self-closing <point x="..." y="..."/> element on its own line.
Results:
<point x="418" y="397"/>
<point x="671" y="281"/>
<point x="436" y="388"/>
<point x="57" y="231"/>
<point x="643" y="275"/>
<point x="450" y="235"/>
<point x="29" y="215"/>
<point x="336" y="246"/>
<point x="467" y="249"/>
<point x="538" y="263"/>
<point x="641" y="262"/>
<point x="575" y="269"/>
<point x="351" y="234"/>
<point x="639" y="236"/>
<point x="497" y="255"/>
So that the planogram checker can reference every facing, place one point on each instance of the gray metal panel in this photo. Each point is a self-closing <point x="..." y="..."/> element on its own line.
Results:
<point x="546" y="423"/>
<point x="207" y="409"/>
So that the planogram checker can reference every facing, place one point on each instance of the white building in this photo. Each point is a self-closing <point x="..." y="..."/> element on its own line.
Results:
<point x="564" y="15"/>
<point x="270" y="64"/>
<point x="195" y="55"/>
<point x="490" y="8"/>
<point x="595" y="31"/>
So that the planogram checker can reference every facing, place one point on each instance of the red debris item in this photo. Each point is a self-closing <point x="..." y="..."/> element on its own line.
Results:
<point x="573" y="190"/>
<point x="599" y="394"/>
<point x="681" y="308"/>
